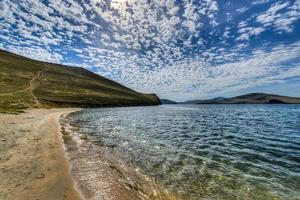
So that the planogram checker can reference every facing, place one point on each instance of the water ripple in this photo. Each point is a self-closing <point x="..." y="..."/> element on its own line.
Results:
<point x="205" y="151"/>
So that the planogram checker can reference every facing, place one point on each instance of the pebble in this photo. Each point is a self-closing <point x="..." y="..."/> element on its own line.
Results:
<point x="40" y="176"/>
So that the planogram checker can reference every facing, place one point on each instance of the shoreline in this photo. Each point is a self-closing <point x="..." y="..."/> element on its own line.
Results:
<point x="36" y="163"/>
<point x="33" y="161"/>
<point x="95" y="176"/>
<point x="99" y="175"/>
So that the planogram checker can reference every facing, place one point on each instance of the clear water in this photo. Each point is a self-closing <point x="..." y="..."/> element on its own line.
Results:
<point x="205" y="151"/>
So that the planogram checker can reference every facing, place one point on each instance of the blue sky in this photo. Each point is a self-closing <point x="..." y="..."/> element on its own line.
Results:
<point x="177" y="49"/>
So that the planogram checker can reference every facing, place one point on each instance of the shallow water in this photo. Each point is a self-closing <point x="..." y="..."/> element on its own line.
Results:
<point x="203" y="151"/>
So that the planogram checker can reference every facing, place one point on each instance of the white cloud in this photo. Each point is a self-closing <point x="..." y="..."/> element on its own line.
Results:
<point x="37" y="53"/>
<point x="281" y="16"/>
<point x="259" y="2"/>
<point x="247" y="32"/>
<point x="241" y="10"/>
<point x="152" y="46"/>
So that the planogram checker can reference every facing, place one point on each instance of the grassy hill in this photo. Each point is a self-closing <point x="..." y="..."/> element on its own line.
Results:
<point x="27" y="83"/>
<point x="252" y="98"/>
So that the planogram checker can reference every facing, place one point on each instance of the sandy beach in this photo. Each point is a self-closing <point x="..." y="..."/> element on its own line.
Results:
<point x="35" y="166"/>
<point x="32" y="159"/>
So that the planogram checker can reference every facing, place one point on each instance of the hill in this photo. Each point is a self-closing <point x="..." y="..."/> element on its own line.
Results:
<point x="252" y="98"/>
<point x="167" y="101"/>
<point x="27" y="83"/>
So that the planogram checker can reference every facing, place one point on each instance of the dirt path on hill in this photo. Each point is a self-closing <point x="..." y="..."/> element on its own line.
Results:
<point x="33" y="84"/>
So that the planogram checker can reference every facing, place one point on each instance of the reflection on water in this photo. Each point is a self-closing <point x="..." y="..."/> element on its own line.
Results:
<point x="204" y="151"/>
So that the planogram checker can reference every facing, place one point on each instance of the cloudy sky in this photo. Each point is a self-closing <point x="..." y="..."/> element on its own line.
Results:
<point x="179" y="49"/>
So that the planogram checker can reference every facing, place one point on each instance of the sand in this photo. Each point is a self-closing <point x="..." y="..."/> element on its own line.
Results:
<point x="33" y="164"/>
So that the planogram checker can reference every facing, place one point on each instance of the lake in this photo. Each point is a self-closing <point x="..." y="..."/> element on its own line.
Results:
<point x="202" y="151"/>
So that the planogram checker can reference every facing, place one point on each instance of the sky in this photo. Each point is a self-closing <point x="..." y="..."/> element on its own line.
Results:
<point x="178" y="49"/>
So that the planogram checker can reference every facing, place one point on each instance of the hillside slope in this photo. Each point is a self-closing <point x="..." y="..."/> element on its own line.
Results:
<point x="252" y="98"/>
<point x="27" y="83"/>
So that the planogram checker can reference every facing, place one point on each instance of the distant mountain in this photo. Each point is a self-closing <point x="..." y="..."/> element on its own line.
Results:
<point x="206" y="101"/>
<point x="167" y="101"/>
<point x="252" y="98"/>
<point x="27" y="83"/>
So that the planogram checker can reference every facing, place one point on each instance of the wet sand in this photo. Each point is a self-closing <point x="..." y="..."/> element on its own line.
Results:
<point x="33" y="164"/>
